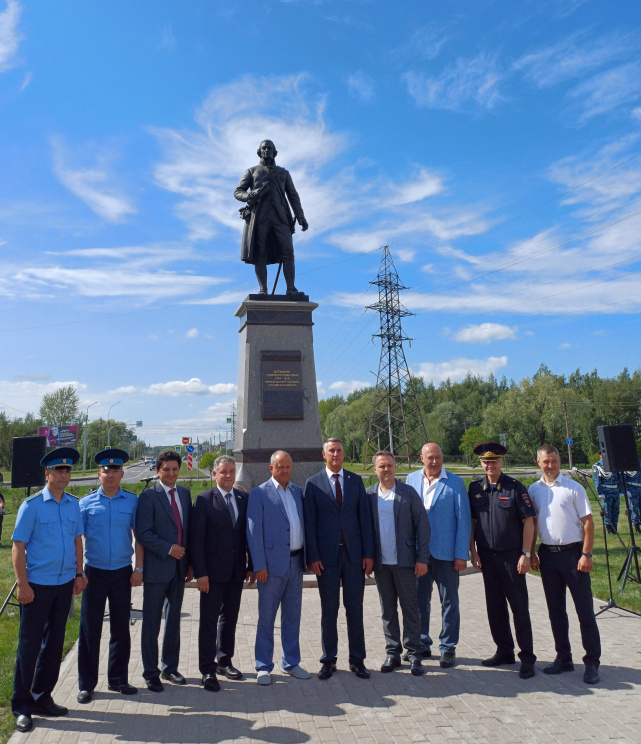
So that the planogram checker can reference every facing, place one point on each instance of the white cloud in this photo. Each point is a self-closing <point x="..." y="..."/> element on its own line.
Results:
<point x="348" y="386"/>
<point x="421" y="186"/>
<point x="25" y="395"/>
<point x="9" y="36"/>
<point x="192" y="333"/>
<point x="176" y="388"/>
<point x="565" y="345"/>
<point x="458" y="369"/>
<point x="361" y="86"/>
<point x="423" y="44"/>
<point x="605" y="91"/>
<point x="92" y="183"/>
<point x="167" y="38"/>
<point x="485" y="333"/>
<point x="467" y="81"/>
<point x="636" y="113"/>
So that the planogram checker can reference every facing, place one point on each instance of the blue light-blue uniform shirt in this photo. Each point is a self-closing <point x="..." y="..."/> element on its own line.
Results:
<point x="49" y="528"/>
<point x="108" y="526"/>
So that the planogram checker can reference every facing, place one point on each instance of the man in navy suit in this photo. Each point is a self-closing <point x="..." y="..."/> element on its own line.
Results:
<point x="218" y="549"/>
<point x="448" y="508"/>
<point x="162" y="526"/>
<point x="340" y="549"/>
<point x="276" y="539"/>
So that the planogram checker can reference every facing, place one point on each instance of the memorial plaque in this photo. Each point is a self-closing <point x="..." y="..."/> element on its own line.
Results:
<point x="282" y="385"/>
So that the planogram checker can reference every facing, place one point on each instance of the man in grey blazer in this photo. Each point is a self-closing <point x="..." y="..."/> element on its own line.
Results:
<point x="276" y="539"/>
<point x="402" y="537"/>
<point x="340" y="550"/>
<point x="162" y="525"/>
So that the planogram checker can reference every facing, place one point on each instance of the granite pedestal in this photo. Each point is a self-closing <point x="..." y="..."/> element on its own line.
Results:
<point x="277" y="398"/>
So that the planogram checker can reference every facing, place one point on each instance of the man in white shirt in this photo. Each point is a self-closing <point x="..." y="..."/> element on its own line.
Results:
<point x="402" y="537"/>
<point x="566" y="532"/>
<point x="448" y="508"/>
<point x="276" y="539"/>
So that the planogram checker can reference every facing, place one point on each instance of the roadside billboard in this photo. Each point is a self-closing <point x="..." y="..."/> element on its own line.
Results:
<point x="59" y="436"/>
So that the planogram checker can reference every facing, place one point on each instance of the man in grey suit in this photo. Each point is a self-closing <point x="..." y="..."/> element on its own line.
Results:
<point x="276" y="539"/>
<point x="162" y="524"/>
<point x="340" y="549"/>
<point x="402" y="536"/>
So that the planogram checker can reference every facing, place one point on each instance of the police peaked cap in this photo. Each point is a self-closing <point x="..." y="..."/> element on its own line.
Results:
<point x="61" y="457"/>
<point x="111" y="458"/>
<point x="489" y="451"/>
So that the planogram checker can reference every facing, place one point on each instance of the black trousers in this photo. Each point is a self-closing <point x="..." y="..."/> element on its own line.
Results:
<point x="505" y="585"/>
<point x="217" y="630"/>
<point x="397" y="585"/>
<point x="352" y="577"/>
<point x="559" y="572"/>
<point x="103" y="585"/>
<point x="42" y="636"/>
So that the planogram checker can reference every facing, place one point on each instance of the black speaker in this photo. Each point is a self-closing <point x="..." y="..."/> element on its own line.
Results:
<point x="26" y="470"/>
<point x="618" y="448"/>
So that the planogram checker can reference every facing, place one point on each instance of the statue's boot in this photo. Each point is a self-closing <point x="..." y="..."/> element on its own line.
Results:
<point x="290" y="275"/>
<point x="261" y="275"/>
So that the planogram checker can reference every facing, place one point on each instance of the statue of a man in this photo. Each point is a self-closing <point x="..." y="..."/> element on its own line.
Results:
<point x="268" y="191"/>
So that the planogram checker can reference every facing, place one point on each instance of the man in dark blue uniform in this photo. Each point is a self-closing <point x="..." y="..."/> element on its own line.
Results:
<point x="503" y="532"/>
<point x="47" y="560"/>
<point x="109" y="519"/>
<point x="608" y="486"/>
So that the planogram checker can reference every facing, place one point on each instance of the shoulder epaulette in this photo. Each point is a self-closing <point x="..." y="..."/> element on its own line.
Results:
<point x="129" y="493"/>
<point x="77" y="498"/>
<point x="90" y="493"/>
<point x="35" y="495"/>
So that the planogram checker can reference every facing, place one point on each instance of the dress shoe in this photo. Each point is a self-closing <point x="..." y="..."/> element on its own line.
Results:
<point x="50" y="709"/>
<point x="591" y="675"/>
<point x="326" y="671"/>
<point x="229" y="671"/>
<point x="426" y="653"/>
<point x="447" y="659"/>
<point x="298" y="672"/>
<point x="416" y="668"/>
<point x="637" y="528"/>
<point x="558" y="666"/>
<point x="155" y="685"/>
<point x="527" y="670"/>
<point x="85" y="696"/>
<point x="211" y="683"/>
<point x="499" y="659"/>
<point x="610" y="529"/>
<point x="175" y="677"/>
<point x="390" y="664"/>
<point x="359" y="670"/>
<point x="125" y="689"/>
<point x="24" y="724"/>
<point x="264" y="678"/>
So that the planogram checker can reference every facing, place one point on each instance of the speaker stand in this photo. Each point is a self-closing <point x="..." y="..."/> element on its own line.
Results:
<point x="9" y="598"/>
<point x="633" y="550"/>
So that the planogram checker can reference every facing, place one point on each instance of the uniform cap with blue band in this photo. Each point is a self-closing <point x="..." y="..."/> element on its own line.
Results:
<point x="61" y="457"/>
<point x="111" y="458"/>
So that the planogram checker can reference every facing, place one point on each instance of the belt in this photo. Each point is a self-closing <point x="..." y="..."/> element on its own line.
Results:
<point x="560" y="548"/>
<point x="296" y="552"/>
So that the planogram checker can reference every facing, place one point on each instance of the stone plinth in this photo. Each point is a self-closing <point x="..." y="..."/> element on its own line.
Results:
<point x="277" y="398"/>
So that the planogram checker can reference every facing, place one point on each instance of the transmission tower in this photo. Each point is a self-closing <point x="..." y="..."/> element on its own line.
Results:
<point x="396" y="415"/>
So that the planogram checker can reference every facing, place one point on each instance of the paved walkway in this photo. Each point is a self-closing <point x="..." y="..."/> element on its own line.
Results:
<point x="466" y="704"/>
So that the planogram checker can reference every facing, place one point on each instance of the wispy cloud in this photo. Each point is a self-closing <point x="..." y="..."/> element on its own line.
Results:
<point x="484" y="333"/>
<point x="9" y="36"/>
<point x="459" y="368"/>
<point x="419" y="187"/>
<point x="424" y="44"/>
<point x="192" y="333"/>
<point x="167" y="40"/>
<point x="361" y="85"/>
<point x="603" y="92"/>
<point x="474" y="81"/>
<point x="176" y="388"/>
<point x="94" y="183"/>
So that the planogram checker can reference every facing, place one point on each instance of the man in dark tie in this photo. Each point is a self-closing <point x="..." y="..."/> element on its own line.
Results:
<point x="218" y="549"/>
<point x="340" y="550"/>
<point x="162" y="524"/>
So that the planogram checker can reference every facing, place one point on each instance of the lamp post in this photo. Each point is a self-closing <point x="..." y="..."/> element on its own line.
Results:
<point x="565" y="415"/>
<point x="108" y="419"/>
<point x="85" y="439"/>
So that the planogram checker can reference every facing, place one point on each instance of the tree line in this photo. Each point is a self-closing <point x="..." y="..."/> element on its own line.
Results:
<point x="62" y="408"/>
<point x="532" y="412"/>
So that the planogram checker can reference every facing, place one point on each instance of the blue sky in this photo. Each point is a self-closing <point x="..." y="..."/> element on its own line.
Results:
<point x="495" y="146"/>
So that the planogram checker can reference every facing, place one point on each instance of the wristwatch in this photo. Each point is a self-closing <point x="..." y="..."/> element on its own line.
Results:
<point x="527" y="555"/>
<point x="138" y="569"/>
<point x="80" y="575"/>
<point x="587" y="555"/>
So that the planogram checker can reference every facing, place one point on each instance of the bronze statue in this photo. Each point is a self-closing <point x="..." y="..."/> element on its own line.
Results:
<point x="268" y="190"/>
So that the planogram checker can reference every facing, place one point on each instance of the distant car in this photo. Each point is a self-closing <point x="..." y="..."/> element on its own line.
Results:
<point x="152" y="465"/>
<point x="148" y="460"/>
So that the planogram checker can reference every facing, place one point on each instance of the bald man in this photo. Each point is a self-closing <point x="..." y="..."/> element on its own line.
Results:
<point x="448" y="509"/>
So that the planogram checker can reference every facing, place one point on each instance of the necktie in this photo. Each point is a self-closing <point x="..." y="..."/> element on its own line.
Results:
<point x="339" y="500"/>
<point x="174" y="508"/>
<point x="230" y="508"/>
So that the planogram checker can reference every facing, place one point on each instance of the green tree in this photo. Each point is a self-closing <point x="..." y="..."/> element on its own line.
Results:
<point x="472" y="436"/>
<point x="325" y="407"/>
<point x="445" y="426"/>
<point x="207" y="460"/>
<point x="61" y="408"/>
<point x="10" y="428"/>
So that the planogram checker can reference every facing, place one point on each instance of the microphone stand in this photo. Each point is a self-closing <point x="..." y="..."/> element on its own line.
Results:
<point x="633" y="550"/>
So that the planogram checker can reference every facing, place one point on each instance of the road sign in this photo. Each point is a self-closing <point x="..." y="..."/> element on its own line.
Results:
<point x="229" y="420"/>
<point x="569" y="441"/>
<point x="190" y="448"/>
<point x="178" y="448"/>
<point x="185" y="440"/>
<point x="138" y="423"/>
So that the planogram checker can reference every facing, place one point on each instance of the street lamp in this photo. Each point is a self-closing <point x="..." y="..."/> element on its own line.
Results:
<point x="85" y="439"/>
<point x="568" y="439"/>
<point x="108" y="427"/>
